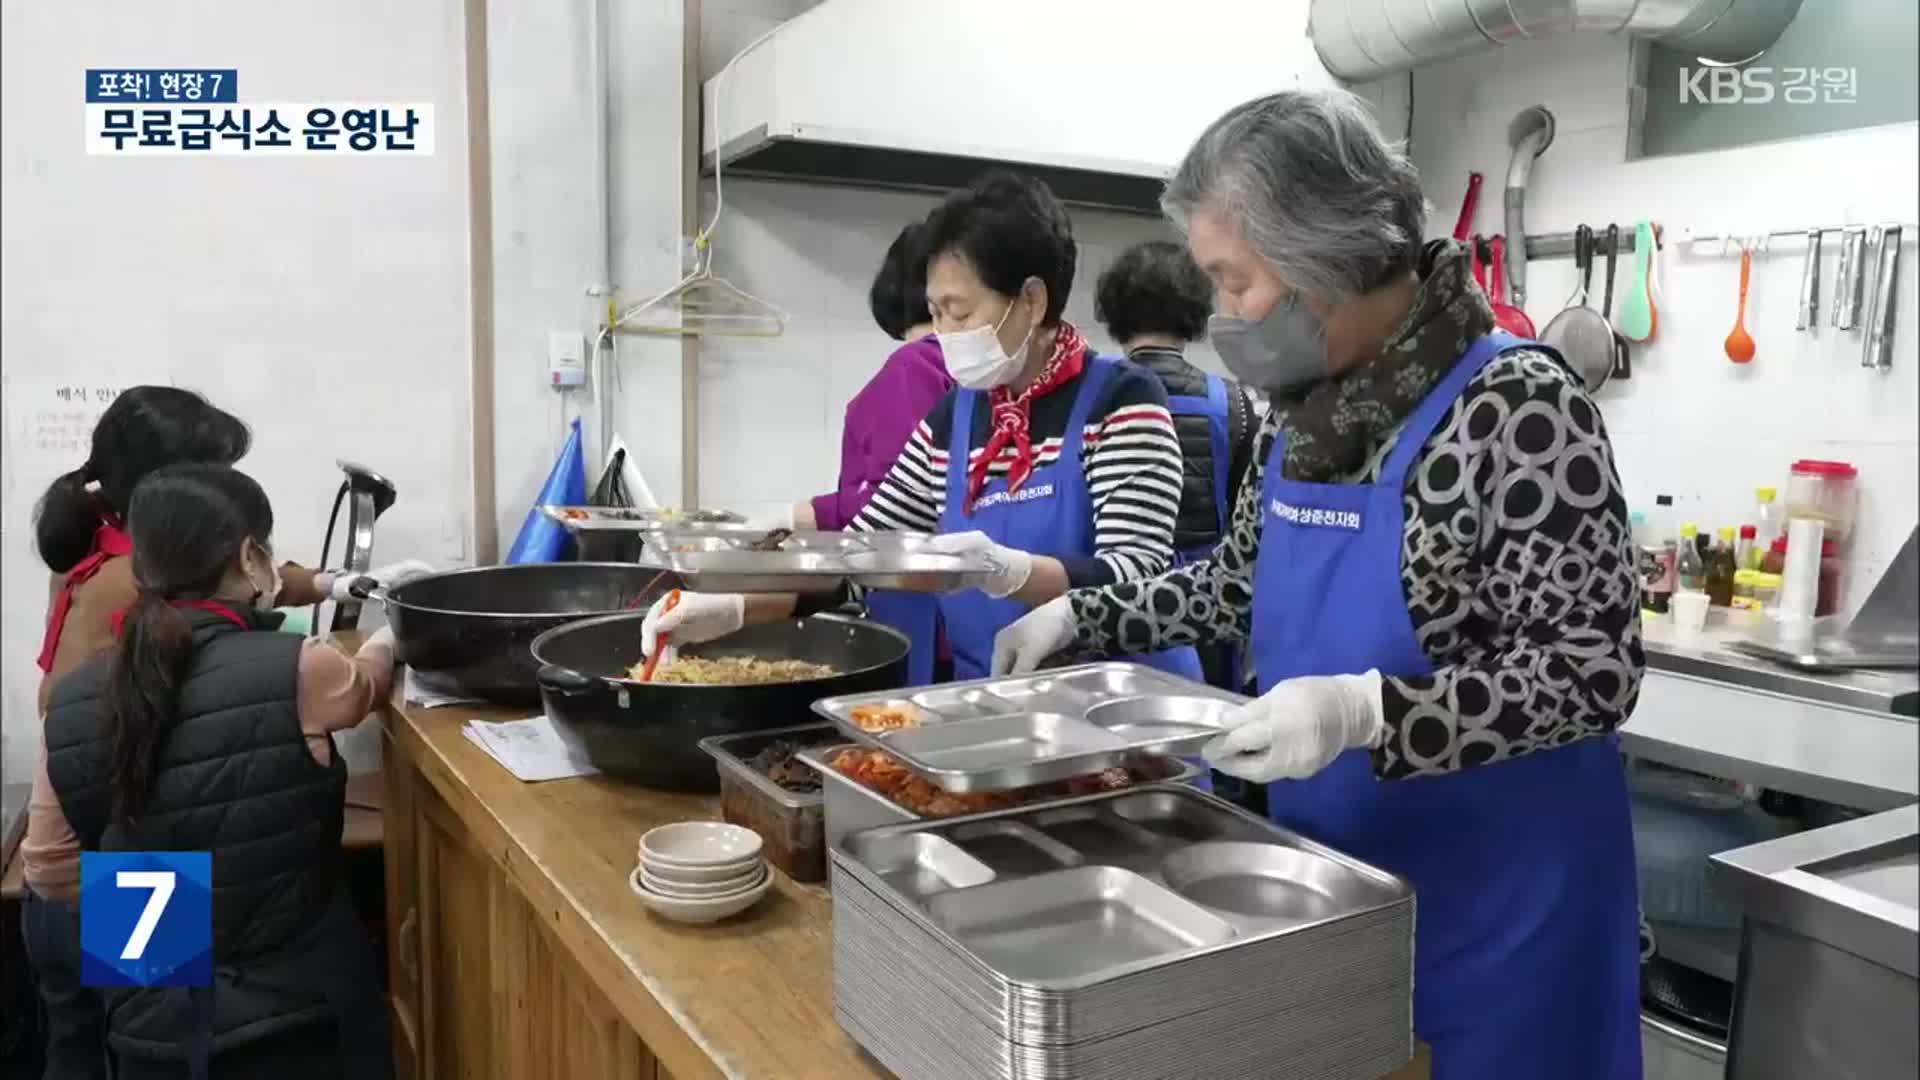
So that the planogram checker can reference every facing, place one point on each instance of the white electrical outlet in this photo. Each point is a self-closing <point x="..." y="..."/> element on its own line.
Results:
<point x="566" y="359"/>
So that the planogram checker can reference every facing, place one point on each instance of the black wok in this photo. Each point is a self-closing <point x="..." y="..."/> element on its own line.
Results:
<point x="649" y="732"/>
<point x="471" y="631"/>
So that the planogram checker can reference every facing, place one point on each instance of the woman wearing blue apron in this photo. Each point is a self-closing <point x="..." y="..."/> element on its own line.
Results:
<point x="1154" y="301"/>
<point x="1434" y="573"/>
<point x="1057" y="467"/>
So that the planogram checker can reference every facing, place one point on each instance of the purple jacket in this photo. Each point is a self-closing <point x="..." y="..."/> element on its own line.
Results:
<point x="880" y="419"/>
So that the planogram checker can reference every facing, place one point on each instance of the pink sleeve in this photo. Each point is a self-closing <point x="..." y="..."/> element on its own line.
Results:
<point x="50" y="852"/>
<point x="879" y="421"/>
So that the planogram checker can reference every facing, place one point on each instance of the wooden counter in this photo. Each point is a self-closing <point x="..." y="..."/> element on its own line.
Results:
<point x="517" y="949"/>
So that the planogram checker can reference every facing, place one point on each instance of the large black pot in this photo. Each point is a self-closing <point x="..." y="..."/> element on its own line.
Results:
<point x="648" y="732"/>
<point x="472" y="631"/>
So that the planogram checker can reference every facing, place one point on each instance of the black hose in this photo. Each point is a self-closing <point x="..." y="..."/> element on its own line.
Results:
<point x="326" y="546"/>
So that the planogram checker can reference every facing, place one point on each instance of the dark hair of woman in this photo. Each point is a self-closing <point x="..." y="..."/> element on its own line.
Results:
<point x="190" y="525"/>
<point x="144" y="429"/>
<point x="1009" y="228"/>
<point x="898" y="297"/>
<point x="1154" y="288"/>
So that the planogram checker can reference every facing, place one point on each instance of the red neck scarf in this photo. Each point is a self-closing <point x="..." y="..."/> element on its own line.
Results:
<point x="109" y="542"/>
<point x="1011" y="413"/>
<point x="119" y="618"/>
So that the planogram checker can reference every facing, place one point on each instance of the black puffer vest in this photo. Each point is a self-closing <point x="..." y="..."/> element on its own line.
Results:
<point x="236" y="778"/>
<point x="1198" y="523"/>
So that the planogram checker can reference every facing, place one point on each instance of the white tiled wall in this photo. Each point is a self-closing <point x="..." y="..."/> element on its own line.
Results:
<point x="770" y="409"/>
<point x="322" y="300"/>
<point x="770" y="413"/>
<point x="1691" y="423"/>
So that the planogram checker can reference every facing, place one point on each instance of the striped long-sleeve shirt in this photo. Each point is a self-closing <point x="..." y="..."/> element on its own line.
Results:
<point x="1130" y="455"/>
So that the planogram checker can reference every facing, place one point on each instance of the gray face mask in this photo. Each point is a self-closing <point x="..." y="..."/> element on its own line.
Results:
<point x="1286" y="349"/>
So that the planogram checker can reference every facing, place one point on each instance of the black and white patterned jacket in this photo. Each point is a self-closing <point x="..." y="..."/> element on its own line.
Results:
<point x="1516" y="561"/>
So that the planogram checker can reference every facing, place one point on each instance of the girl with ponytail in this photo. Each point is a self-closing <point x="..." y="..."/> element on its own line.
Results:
<point x="202" y="729"/>
<point x="79" y="523"/>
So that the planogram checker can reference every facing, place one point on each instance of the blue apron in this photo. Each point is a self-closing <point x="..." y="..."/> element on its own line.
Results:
<point x="916" y="615"/>
<point x="1051" y="514"/>
<point x="1526" y="939"/>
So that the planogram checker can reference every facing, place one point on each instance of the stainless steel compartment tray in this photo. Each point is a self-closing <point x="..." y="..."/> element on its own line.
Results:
<point x="745" y="571"/>
<point x="851" y="806"/>
<point x="915" y="571"/>
<point x="991" y="734"/>
<point x="1142" y="879"/>
<point x="819" y="562"/>
<point x="634" y="519"/>
<point x="1056" y="927"/>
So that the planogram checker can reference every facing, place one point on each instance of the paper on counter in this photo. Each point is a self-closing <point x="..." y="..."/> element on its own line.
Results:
<point x="423" y="691"/>
<point x="532" y="749"/>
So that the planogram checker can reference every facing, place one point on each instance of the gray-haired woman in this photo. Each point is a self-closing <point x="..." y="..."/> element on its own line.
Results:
<point x="1431" y="563"/>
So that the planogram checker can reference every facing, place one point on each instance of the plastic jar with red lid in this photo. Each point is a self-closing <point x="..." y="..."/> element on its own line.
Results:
<point x="1826" y="599"/>
<point x="1823" y="491"/>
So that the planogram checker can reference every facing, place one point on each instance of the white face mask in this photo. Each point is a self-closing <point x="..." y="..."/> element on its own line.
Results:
<point x="976" y="359"/>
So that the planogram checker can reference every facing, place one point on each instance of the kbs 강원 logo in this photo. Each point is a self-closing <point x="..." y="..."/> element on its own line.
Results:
<point x="146" y="918"/>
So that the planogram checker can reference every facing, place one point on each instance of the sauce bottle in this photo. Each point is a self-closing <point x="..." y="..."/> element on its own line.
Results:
<point x="1691" y="568"/>
<point x="1747" y="553"/>
<point x="1658" y="554"/>
<point x="1720" y="570"/>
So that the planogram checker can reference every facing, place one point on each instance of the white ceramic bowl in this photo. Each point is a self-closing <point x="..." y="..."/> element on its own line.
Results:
<point x="697" y="912"/>
<point x="692" y="845"/>
<point x="701" y="875"/>
<point x="696" y="890"/>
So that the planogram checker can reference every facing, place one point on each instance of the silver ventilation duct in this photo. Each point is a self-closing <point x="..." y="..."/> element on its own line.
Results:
<point x="1362" y="40"/>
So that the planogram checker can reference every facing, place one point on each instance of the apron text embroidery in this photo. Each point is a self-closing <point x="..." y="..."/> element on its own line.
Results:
<point x="1038" y="491"/>
<point x="1316" y="516"/>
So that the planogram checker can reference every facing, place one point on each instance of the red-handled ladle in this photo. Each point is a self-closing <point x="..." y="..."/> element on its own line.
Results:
<point x="660" y="640"/>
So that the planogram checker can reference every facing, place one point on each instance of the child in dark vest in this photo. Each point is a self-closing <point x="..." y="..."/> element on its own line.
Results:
<point x="203" y="729"/>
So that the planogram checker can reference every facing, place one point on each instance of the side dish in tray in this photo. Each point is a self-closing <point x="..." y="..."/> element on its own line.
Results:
<point x="880" y="772"/>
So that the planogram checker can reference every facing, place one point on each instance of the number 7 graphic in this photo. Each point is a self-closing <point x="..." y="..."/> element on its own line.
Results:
<point x="161" y="882"/>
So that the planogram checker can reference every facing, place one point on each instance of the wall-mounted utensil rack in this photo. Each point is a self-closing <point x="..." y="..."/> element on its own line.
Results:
<point x="1762" y="241"/>
<point x="1559" y="245"/>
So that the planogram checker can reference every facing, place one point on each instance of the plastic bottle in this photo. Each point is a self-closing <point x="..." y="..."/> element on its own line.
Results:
<point x="1747" y="553"/>
<point x="1658" y="557"/>
<point x="1769" y="518"/>
<point x="1720" y="569"/>
<point x="1690" y="567"/>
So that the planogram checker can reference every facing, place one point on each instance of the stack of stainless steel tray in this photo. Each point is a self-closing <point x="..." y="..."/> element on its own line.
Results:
<point x="816" y="562"/>
<point x="1155" y="932"/>
<point x="619" y="534"/>
<point x="990" y="734"/>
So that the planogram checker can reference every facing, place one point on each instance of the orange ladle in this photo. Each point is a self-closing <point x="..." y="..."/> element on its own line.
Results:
<point x="659" y="642"/>
<point x="1740" y="346"/>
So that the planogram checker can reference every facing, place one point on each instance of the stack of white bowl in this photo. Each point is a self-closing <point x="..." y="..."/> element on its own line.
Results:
<point x="700" y="871"/>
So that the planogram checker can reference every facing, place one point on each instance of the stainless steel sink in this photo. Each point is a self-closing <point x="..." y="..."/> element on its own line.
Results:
<point x="1829" y="978"/>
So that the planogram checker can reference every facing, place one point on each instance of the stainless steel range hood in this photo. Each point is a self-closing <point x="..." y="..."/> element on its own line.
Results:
<point x="1100" y="98"/>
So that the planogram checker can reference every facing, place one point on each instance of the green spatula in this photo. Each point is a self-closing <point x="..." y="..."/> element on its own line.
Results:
<point x="1638" y="317"/>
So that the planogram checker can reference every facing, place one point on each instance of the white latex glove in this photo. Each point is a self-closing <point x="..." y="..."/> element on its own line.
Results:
<point x="1011" y="567"/>
<point x="390" y="576"/>
<point x="1033" y="637"/>
<point x="1293" y="730"/>
<point x="699" y="617"/>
